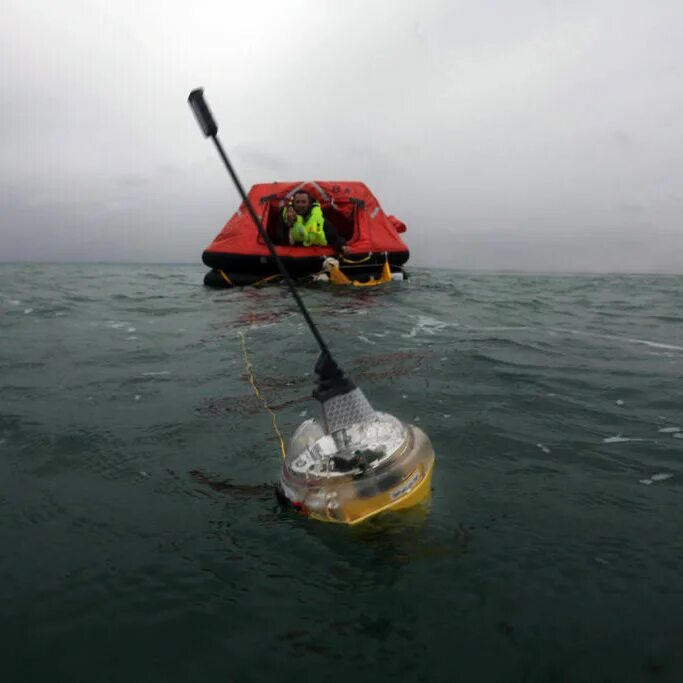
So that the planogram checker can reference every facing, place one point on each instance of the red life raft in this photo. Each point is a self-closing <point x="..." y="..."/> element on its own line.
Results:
<point x="239" y="256"/>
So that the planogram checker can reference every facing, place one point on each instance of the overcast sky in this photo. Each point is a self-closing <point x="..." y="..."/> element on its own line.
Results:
<point x="532" y="135"/>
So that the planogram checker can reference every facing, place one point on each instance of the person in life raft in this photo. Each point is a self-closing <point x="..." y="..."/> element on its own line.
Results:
<point x="303" y="223"/>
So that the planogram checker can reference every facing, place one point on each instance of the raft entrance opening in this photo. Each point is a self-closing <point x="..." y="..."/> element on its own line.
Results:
<point x="342" y="216"/>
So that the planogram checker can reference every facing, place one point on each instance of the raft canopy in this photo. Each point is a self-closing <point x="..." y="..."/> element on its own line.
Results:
<point x="348" y="205"/>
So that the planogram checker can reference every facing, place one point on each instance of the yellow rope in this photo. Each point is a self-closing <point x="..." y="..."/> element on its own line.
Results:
<point x="346" y="259"/>
<point x="226" y="278"/>
<point x="259" y="395"/>
<point x="265" y="280"/>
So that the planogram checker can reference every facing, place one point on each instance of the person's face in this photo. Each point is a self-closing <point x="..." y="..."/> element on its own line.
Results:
<point x="301" y="204"/>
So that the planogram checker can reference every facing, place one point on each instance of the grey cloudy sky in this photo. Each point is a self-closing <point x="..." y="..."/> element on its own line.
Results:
<point x="534" y="134"/>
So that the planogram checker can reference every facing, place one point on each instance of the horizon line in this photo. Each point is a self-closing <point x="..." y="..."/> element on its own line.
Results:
<point x="483" y="271"/>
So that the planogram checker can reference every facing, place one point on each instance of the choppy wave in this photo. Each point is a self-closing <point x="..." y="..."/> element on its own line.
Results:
<point x="136" y="466"/>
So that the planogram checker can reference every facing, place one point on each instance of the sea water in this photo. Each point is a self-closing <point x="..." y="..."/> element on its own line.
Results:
<point x="141" y="539"/>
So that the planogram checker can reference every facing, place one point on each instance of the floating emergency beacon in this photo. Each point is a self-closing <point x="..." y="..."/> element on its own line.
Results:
<point x="356" y="462"/>
<point x="361" y="470"/>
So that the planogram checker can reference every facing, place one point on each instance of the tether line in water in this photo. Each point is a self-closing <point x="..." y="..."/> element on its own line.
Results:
<point x="250" y="375"/>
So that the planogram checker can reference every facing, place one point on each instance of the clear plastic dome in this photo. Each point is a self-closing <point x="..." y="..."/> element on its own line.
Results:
<point x="357" y="471"/>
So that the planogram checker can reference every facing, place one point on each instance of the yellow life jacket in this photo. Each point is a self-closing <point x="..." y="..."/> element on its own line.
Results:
<point x="308" y="231"/>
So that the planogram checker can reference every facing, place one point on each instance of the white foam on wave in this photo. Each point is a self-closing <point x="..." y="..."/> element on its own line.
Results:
<point x="678" y="435"/>
<point x="427" y="325"/>
<point x="497" y="328"/>
<point x="669" y="430"/>
<point x="366" y="340"/>
<point x="660" y="476"/>
<point x="630" y="340"/>
<point x="156" y="374"/>
<point x="28" y="311"/>
<point x="543" y="447"/>
<point x="619" y="439"/>
<point x="656" y="345"/>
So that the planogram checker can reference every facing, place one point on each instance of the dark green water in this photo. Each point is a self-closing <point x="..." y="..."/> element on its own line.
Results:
<point x="545" y="555"/>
